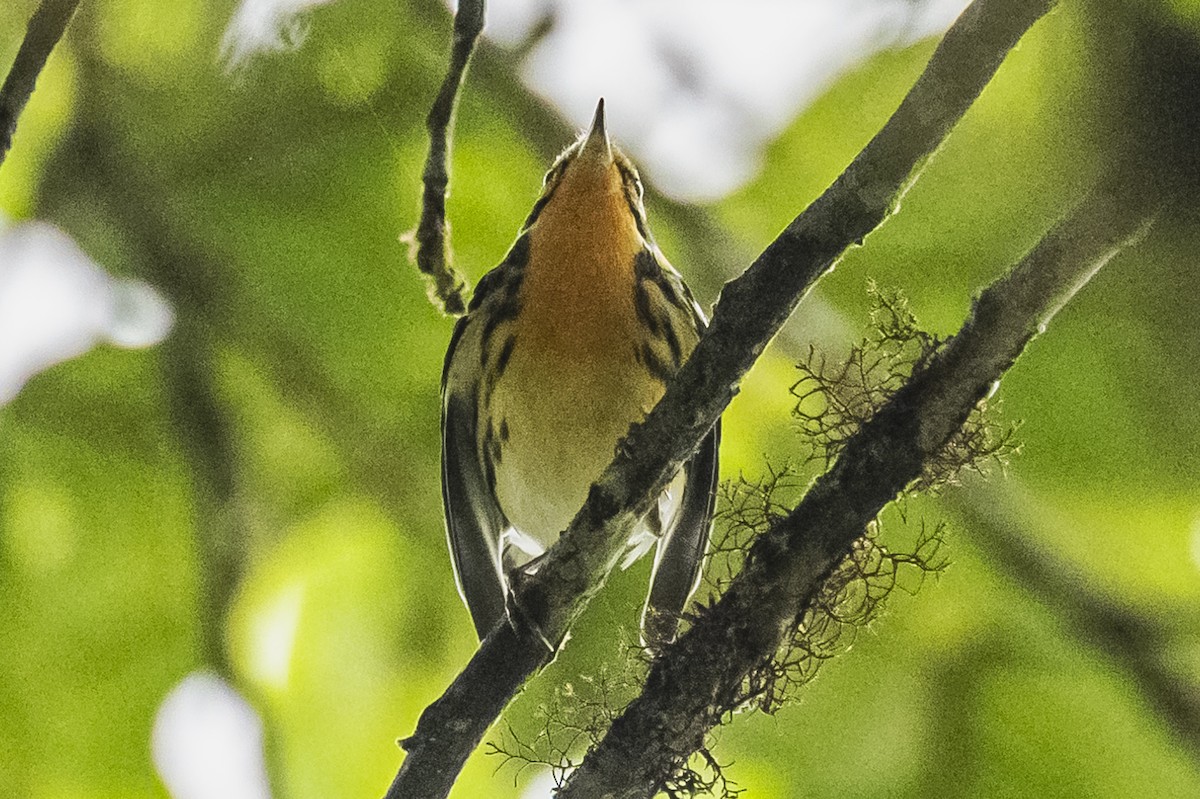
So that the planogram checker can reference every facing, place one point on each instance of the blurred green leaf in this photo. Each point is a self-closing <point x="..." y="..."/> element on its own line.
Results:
<point x="280" y="193"/>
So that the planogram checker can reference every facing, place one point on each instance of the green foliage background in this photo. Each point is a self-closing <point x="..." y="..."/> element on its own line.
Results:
<point x="293" y="414"/>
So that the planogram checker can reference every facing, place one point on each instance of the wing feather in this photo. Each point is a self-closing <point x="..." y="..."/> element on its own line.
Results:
<point x="681" y="549"/>
<point x="474" y="522"/>
<point x="680" y="553"/>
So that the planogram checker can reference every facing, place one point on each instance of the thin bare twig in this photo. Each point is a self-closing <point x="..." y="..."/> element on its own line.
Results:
<point x="751" y="310"/>
<point x="432" y="251"/>
<point x="46" y="27"/>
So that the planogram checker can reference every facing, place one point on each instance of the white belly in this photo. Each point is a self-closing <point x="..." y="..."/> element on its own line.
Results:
<point x="563" y="422"/>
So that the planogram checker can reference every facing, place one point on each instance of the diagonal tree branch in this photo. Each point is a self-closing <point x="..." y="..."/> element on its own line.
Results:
<point x="46" y="27"/>
<point x="447" y="285"/>
<point x="751" y="310"/>
<point x="94" y="163"/>
<point x="700" y="678"/>
<point x="1134" y="640"/>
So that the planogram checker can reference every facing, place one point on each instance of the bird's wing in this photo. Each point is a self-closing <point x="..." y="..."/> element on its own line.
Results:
<point x="681" y="548"/>
<point x="680" y="551"/>
<point x="474" y="521"/>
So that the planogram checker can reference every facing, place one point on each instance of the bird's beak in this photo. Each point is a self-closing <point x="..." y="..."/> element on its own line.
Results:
<point x="596" y="147"/>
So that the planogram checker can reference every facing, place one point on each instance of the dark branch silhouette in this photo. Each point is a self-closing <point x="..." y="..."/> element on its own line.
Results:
<point x="751" y="310"/>
<point x="1134" y="640"/>
<point x="46" y="27"/>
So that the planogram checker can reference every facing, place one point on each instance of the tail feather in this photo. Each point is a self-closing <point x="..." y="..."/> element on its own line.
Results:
<point x="680" y="556"/>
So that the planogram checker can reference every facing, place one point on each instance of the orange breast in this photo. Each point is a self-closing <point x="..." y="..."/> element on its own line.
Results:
<point x="578" y="287"/>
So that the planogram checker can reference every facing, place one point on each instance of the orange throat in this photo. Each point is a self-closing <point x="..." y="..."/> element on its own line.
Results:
<point x="577" y="296"/>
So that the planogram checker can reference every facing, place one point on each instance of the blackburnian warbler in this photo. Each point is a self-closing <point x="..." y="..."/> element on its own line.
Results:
<point x="565" y="344"/>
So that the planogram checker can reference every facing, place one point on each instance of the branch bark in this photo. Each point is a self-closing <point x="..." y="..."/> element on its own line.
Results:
<point x="448" y="286"/>
<point x="699" y="679"/>
<point x="751" y="310"/>
<point x="46" y="27"/>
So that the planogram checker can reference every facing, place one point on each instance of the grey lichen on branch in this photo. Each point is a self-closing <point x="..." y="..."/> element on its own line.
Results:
<point x="750" y="312"/>
<point x="46" y="27"/>
<point x="848" y="601"/>
<point x="430" y="241"/>
<point x="704" y="676"/>
<point x="835" y="398"/>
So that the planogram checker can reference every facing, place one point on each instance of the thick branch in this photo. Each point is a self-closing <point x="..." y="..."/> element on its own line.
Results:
<point x="699" y="679"/>
<point x="46" y="27"/>
<point x="750" y="312"/>
<point x="432" y="251"/>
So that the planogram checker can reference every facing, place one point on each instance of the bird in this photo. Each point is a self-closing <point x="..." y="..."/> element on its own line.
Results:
<point x="572" y="338"/>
